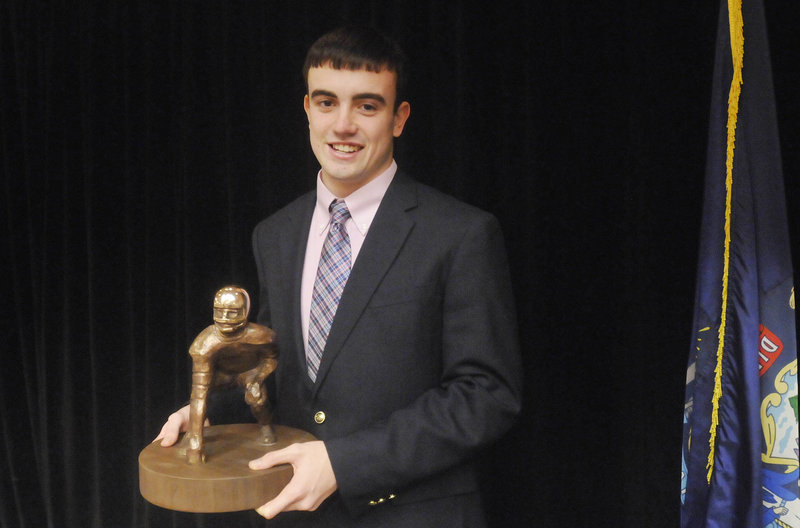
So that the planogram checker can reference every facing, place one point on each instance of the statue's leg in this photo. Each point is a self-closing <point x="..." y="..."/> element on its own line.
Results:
<point x="256" y="397"/>
<point x="201" y="380"/>
<point x="268" y="435"/>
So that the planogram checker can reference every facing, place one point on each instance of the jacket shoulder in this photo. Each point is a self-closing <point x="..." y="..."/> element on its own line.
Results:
<point x="293" y="211"/>
<point x="442" y="211"/>
<point x="431" y="198"/>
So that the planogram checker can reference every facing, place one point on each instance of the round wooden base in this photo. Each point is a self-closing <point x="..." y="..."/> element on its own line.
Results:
<point x="224" y="483"/>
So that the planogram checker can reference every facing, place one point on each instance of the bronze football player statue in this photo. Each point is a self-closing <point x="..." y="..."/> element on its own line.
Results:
<point x="208" y="469"/>
<point x="230" y="352"/>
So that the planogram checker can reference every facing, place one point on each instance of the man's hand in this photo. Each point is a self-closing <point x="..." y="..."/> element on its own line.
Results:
<point x="177" y="423"/>
<point x="313" y="479"/>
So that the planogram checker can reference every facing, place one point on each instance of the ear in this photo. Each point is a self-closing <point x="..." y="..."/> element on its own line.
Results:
<point x="400" y="118"/>
<point x="306" y="106"/>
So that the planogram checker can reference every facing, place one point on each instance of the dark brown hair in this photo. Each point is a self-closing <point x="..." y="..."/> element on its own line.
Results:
<point x="358" y="48"/>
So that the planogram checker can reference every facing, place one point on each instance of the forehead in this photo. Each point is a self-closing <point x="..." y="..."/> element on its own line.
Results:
<point x="351" y="83"/>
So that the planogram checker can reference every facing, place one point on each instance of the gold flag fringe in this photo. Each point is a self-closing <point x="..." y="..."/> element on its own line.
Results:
<point x="737" y="52"/>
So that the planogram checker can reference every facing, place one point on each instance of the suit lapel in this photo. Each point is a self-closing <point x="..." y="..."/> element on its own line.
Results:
<point x="293" y="240"/>
<point x="387" y="233"/>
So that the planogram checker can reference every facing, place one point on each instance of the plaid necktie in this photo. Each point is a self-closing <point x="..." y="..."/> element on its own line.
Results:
<point x="332" y="273"/>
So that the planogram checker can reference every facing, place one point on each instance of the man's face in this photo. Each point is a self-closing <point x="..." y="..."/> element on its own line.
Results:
<point x="352" y="124"/>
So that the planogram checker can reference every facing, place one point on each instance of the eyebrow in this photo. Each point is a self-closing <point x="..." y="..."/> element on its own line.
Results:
<point x="322" y="93"/>
<point x="357" y="97"/>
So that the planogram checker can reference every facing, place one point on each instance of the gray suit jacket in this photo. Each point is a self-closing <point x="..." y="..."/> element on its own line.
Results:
<point x="421" y="367"/>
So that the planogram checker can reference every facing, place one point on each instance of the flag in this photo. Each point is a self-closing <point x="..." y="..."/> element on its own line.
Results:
<point x="740" y="440"/>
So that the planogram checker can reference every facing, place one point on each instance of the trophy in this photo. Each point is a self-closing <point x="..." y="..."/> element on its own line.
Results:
<point x="206" y="470"/>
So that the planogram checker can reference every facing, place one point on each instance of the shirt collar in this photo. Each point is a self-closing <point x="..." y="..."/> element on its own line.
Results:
<point x="362" y="203"/>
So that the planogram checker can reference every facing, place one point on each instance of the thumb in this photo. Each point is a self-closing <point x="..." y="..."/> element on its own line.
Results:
<point x="270" y="459"/>
<point x="168" y="438"/>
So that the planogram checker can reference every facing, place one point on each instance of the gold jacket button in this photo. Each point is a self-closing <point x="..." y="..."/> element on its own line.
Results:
<point x="319" y="417"/>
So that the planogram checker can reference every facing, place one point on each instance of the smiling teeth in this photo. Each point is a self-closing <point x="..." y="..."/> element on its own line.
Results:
<point x="345" y="148"/>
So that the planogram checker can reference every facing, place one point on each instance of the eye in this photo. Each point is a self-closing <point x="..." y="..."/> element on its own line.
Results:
<point x="369" y="108"/>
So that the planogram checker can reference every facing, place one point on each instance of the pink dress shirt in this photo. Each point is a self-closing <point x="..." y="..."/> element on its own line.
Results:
<point x="362" y="204"/>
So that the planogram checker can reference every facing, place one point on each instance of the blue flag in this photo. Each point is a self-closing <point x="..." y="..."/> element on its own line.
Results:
<point x="740" y="441"/>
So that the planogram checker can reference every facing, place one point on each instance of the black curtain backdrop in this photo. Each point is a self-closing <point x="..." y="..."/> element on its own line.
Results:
<point x="140" y="142"/>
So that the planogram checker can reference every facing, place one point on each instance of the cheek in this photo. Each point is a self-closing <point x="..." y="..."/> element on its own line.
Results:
<point x="317" y="137"/>
<point x="317" y="125"/>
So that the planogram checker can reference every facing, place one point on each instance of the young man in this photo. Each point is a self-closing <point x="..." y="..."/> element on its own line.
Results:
<point x="393" y="312"/>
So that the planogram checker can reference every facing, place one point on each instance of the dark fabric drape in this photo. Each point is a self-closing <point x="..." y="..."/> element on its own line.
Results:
<point x="140" y="142"/>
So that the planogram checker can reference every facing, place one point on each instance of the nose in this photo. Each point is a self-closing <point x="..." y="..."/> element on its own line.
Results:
<point x="345" y="124"/>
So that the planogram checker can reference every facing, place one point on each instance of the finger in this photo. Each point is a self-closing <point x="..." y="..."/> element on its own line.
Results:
<point x="159" y="437"/>
<point x="168" y="437"/>
<point x="267" y="511"/>
<point x="273" y="458"/>
<point x="163" y="432"/>
<point x="171" y="430"/>
<point x="283" y="502"/>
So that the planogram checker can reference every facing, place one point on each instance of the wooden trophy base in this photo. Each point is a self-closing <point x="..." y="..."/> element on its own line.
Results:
<point x="224" y="483"/>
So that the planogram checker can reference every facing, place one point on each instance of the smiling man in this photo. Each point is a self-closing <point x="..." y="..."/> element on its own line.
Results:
<point x="353" y="123"/>
<point x="393" y="312"/>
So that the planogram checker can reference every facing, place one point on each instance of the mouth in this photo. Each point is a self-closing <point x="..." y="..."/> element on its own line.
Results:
<point x="345" y="148"/>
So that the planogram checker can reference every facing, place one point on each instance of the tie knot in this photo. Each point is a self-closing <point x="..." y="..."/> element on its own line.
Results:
<point x="339" y="212"/>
